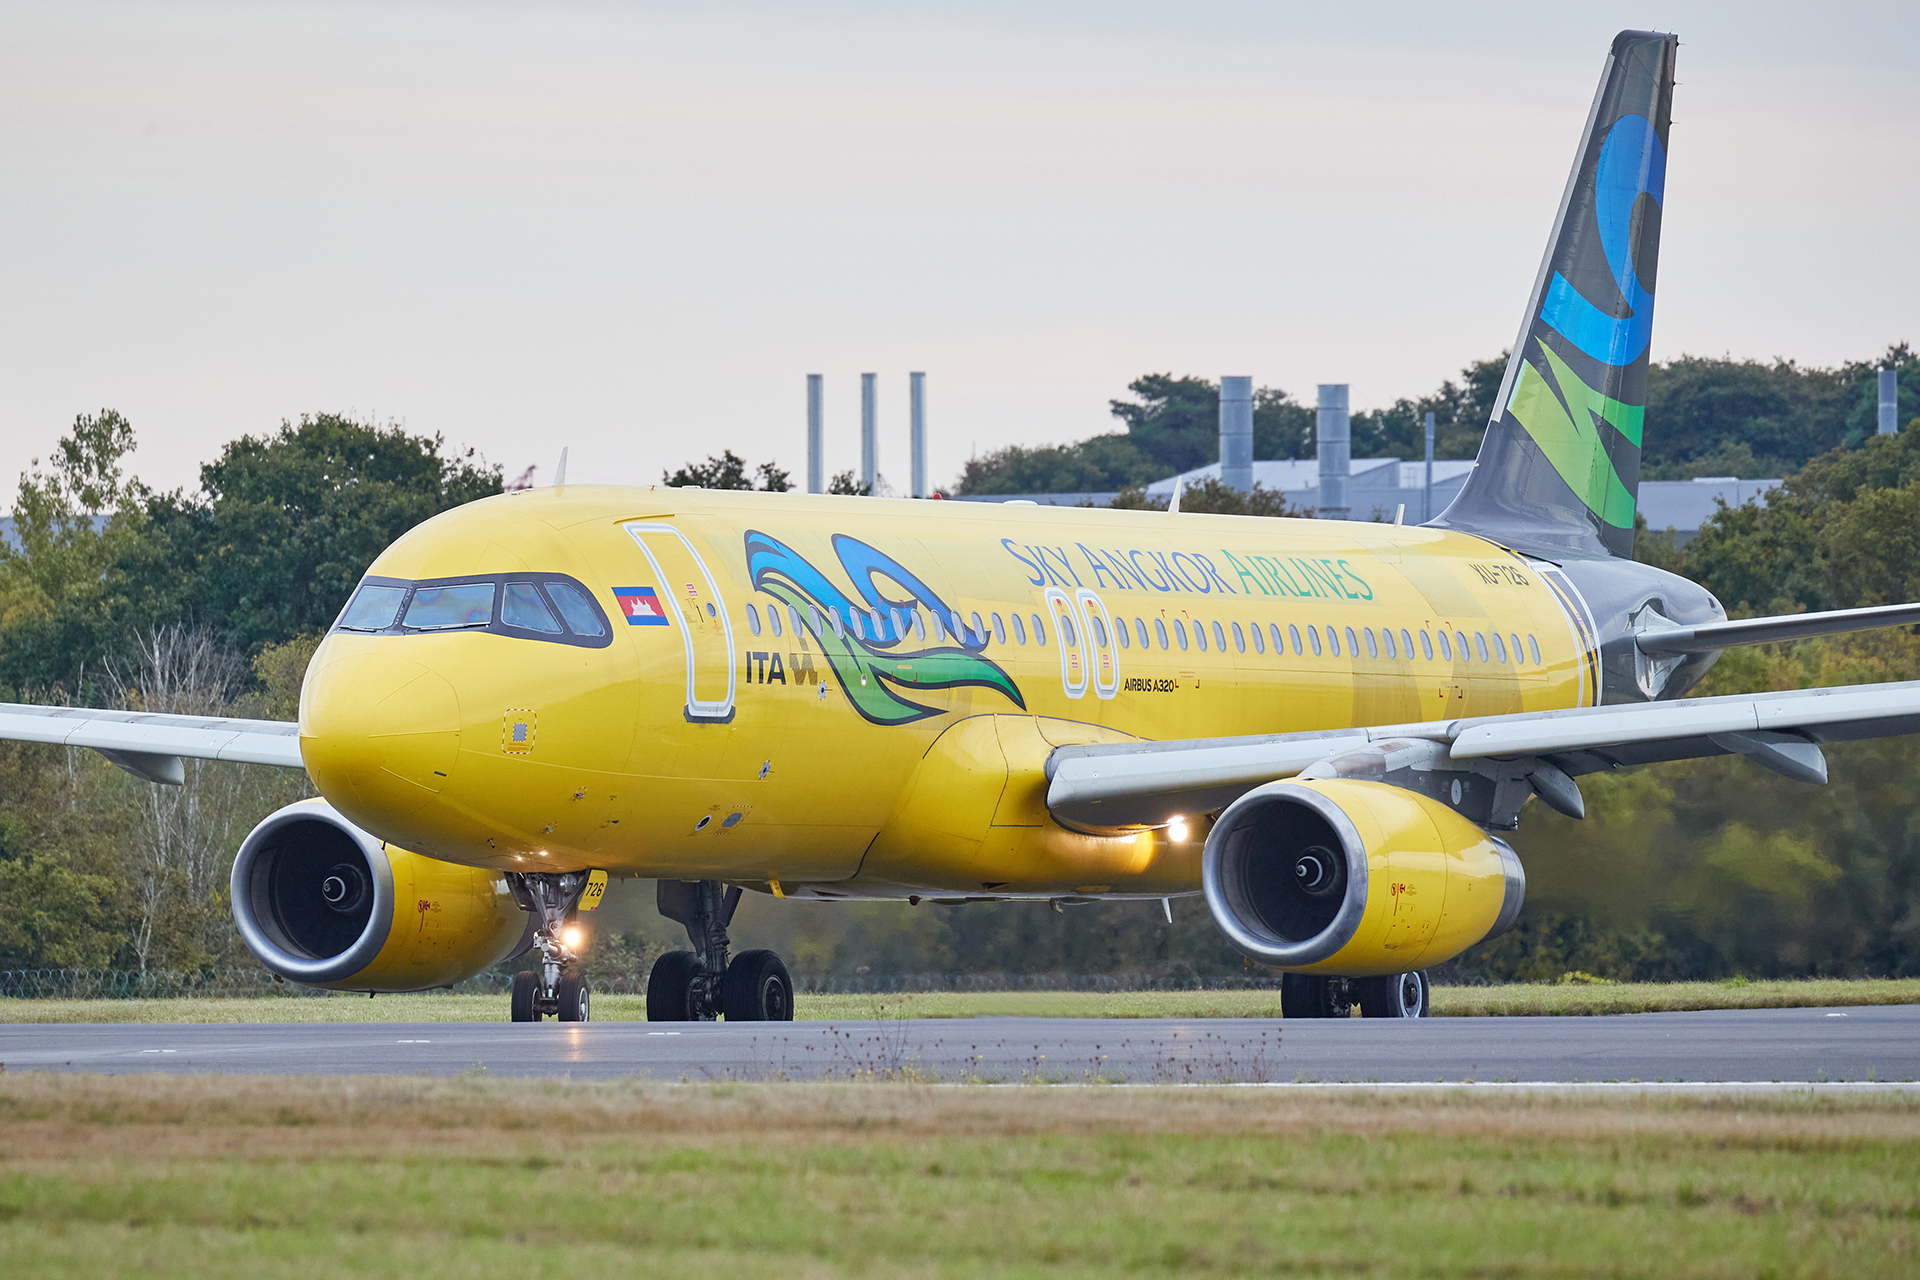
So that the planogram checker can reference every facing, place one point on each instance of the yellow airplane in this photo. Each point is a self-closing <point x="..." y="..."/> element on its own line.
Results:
<point x="1320" y="725"/>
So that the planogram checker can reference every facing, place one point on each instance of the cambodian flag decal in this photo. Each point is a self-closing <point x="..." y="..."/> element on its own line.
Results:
<point x="641" y="605"/>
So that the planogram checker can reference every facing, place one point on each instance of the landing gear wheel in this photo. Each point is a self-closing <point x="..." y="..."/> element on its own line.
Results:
<point x="1313" y="995"/>
<point x="525" y="983"/>
<point x="757" y="989"/>
<point x="1397" y="995"/>
<point x="575" y="995"/>
<point x="670" y="987"/>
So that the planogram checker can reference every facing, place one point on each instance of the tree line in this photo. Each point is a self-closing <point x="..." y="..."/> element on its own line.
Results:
<point x="1705" y="417"/>
<point x="210" y="601"/>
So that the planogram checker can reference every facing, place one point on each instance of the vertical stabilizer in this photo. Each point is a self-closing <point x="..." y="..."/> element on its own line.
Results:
<point x="1559" y="470"/>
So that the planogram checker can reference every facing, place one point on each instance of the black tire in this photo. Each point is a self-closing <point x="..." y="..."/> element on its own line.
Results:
<point x="1314" y="995"/>
<point x="670" y="987"/>
<point x="575" y="997"/>
<point x="757" y="989"/>
<point x="1303" y="995"/>
<point x="521" y="1005"/>
<point x="1397" y="995"/>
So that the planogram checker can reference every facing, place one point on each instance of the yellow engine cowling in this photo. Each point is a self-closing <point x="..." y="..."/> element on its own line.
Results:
<point x="323" y="903"/>
<point x="1355" y="878"/>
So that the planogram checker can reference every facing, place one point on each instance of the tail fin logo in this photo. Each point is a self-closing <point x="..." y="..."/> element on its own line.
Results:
<point x="1632" y="164"/>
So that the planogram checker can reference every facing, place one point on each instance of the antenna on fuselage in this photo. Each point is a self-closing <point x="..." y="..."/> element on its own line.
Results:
<point x="1173" y="507"/>
<point x="560" y="472"/>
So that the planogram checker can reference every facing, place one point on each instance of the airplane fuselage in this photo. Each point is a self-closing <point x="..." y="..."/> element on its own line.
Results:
<point x="894" y="742"/>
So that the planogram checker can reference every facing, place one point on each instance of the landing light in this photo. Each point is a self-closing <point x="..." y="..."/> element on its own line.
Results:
<point x="1177" y="830"/>
<point x="571" y="937"/>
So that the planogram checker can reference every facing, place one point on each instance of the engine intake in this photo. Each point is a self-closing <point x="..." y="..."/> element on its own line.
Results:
<point x="318" y="900"/>
<point x="1355" y="878"/>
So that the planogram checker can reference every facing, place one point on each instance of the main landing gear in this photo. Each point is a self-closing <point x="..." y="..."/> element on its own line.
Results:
<point x="556" y="987"/>
<point x="1312" y="995"/>
<point x="701" y="985"/>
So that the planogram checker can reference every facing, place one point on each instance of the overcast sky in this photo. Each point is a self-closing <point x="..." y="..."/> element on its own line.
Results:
<point x="632" y="229"/>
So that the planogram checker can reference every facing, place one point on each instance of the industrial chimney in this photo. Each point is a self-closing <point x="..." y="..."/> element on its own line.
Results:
<point x="815" y="482"/>
<point x="1889" y="401"/>
<point x="917" y="432"/>
<point x="869" y="435"/>
<point x="1236" y="433"/>
<point x="1333" y="442"/>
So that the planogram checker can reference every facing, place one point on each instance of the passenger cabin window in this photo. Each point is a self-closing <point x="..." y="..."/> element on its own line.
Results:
<point x="1180" y="632"/>
<point x="1353" y="645"/>
<point x="1039" y="632"/>
<point x="1426" y="645"/>
<point x="773" y="618"/>
<point x="1199" y="636"/>
<point x="1067" y="636"/>
<point x="1122" y="634"/>
<point x="1533" y="650"/>
<point x="753" y="619"/>
<point x="1160" y="630"/>
<point x="1333" y="642"/>
<point x="1000" y="628"/>
<point x="1406" y="644"/>
<point x="1446" y="650"/>
<point x="1373" y="648"/>
<point x="979" y="629"/>
<point x="919" y="624"/>
<point x="533" y="606"/>
<point x="1519" y="656"/>
<point x="1019" y="630"/>
<point x="1259" y="640"/>
<point x="1294" y="633"/>
<point x="1313" y="634"/>
<point x="1220" y="639"/>
<point x="1239" y="639"/>
<point x="1499" y="650"/>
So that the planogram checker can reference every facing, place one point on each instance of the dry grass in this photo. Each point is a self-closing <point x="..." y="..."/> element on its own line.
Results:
<point x="1518" y="999"/>
<point x="158" y="1176"/>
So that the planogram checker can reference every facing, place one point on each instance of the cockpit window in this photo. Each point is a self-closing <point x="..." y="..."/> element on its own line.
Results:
<point x="522" y="606"/>
<point x="373" y="608"/>
<point x="470" y="604"/>
<point x="530" y="606"/>
<point x="576" y="609"/>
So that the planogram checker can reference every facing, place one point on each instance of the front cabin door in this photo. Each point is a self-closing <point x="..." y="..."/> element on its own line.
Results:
<point x="692" y="598"/>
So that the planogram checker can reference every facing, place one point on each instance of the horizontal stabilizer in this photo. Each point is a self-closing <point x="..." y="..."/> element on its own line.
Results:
<point x="1711" y="637"/>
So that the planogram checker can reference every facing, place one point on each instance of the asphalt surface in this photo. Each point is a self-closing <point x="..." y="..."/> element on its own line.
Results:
<point x="1858" y="1044"/>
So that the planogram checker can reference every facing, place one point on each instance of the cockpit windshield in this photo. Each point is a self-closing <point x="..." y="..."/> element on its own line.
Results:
<point x="534" y="606"/>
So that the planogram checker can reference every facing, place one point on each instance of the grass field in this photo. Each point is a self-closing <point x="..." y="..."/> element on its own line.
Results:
<point x="158" y="1176"/>
<point x="1515" y="1000"/>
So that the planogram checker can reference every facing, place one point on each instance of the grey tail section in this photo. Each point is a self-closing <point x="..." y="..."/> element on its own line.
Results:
<point x="1559" y="470"/>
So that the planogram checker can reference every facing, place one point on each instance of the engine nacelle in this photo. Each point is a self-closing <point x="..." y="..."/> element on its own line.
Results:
<point x="323" y="903"/>
<point x="1355" y="878"/>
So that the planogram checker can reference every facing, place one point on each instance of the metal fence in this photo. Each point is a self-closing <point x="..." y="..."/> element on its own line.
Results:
<point x="134" y="984"/>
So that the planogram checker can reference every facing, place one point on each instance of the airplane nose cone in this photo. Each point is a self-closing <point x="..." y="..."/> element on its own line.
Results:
<point x="380" y="733"/>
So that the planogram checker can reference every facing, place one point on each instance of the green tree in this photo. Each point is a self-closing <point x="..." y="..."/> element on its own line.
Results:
<point x="284" y="526"/>
<point x="728" y="470"/>
<point x="63" y="600"/>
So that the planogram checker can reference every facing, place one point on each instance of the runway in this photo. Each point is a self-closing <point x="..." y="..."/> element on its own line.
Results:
<point x="1857" y="1044"/>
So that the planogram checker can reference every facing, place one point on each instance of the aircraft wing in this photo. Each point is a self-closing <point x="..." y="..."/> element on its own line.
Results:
<point x="150" y="746"/>
<point x="1124" y="784"/>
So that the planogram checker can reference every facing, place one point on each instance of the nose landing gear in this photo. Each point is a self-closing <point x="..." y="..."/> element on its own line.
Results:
<point x="556" y="987"/>
<point x="701" y="985"/>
